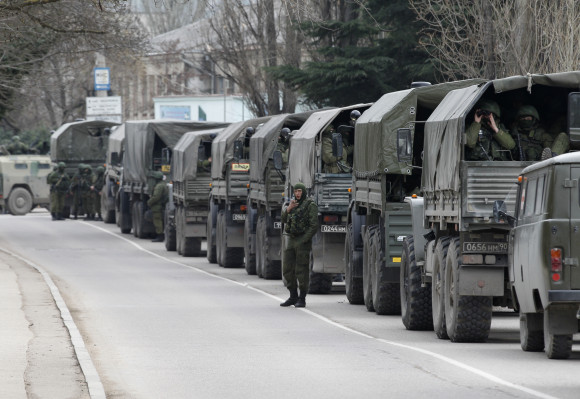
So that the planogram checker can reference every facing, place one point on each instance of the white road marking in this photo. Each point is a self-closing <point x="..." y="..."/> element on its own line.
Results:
<point x="435" y="355"/>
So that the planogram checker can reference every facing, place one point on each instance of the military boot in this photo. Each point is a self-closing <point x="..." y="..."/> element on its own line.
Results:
<point x="292" y="300"/>
<point x="159" y="238"/>
<point x="59" y="216"/>
<point x="53" y="216"/>
<point x="301" y="303"/>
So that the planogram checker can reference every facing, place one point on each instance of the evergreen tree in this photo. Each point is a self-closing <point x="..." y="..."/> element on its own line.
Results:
<point x="360" y="59"/>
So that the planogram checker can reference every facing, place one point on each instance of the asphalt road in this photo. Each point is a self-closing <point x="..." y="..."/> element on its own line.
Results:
<point x="157" y="325"/>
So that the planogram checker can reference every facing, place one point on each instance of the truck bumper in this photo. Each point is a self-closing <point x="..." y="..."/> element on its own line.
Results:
<point x="564" y="296"/>
<point x="481" y="281"/>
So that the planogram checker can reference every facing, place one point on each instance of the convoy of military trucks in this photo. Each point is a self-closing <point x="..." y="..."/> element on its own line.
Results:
<point x="408" y="221"/>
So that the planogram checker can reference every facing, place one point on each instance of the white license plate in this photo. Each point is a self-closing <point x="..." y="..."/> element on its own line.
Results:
<point x="238" y="216"/>
<point x="486" y="247"/>
<point x="333" y="228"/>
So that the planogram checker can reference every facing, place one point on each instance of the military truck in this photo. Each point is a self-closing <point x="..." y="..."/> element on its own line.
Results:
<point x="23" y="183"/>
<point x="543" y="256"/>
<point x="330" y="191"/>
<point x="191" y="177"/>
<point x="112" y="176"/>
<point x="378" y="218"/>
<point x="148" y="148"/>
<point x="262" y="237"/>
<point x="230" y="174"/>
<point x="458" y="255"/>
<point x="81" y="142"/>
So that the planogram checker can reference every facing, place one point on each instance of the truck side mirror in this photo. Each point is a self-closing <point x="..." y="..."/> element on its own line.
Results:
<point x="404" y="145"/>
<point x="574" y="118"/>
<point x="116" y="159"/>
<point x="278" y="161"/>
<point x="337" y="144"/>
<point x="500" y="214"/>
<point x="238" y="149"/>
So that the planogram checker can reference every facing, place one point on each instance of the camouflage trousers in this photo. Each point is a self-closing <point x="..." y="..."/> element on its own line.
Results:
<point x="158" y="221"/>
<point x="296" y="264"/>
<point x="57" y="201"/>
<point x="561" y="144"/>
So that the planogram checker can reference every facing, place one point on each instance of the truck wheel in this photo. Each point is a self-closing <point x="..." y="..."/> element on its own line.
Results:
<point x="135" y="219"/>
<point x="368" y="256"/>
<point x="531" y="339"/>
<point x="125" y="212"/>
<point x="19" y="201"/>
<point x="386" y="294"/>
<point x="415" y="299"/>
<point x="170" y="234"/>
<point x="219" y="242"/>
<point x="353" y="285"/>
<point x="556" y="346"/>
<point x="249" y="257"/>
<point x="259" y="246"/>
<point x="271" y="269"/>
<point x="468" y="317"/>
<point x="320" y="283"/>
<point x="178" y="230"/>
<point x="108" y="214"/>
<point x="438" y="288"/>
<point x="211" y="234"/>
<point x="191" y="246"/>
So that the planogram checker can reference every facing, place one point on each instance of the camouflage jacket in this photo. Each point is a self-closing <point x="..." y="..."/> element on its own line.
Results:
<point x="302" y="222"/>
<point x="159" y="198"/>
<point x="488" y="145"/>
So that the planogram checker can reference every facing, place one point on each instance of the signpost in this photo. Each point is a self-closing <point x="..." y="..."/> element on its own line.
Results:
<point x="105" y="109"/>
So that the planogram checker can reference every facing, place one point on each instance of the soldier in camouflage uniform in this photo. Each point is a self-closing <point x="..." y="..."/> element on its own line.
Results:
<point x="97" y="188"/>
<point x="334" y="164"/>
<point x="87" y="192"/>
<point x="157" y="204"/>
<point x="300" y="219"/>
<point x="52" y="191"/>
<point x="486" y="137"/>
<point x="284" y="143"/>
<point x="17" y="147"/>
<point x="59" y="186"/>
<point x="76" y="188"/>
<point x="531" y="138"/>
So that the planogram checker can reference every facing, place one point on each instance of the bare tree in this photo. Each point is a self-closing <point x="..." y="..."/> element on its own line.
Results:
<point x="160" y="16"/>
<point x="496" y="38"/>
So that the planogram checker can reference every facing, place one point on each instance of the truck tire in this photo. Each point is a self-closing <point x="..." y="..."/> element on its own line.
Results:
<point x="531" y="340"/>
<point x="386" y="294"/>
<point x="107" y="214"/>
<point x="191" y="246"/>
<point x="19" y="201"/>
<point x="353" y="285"/>
<point x="219" y="242"/>
<point x="320" y="283"/>
<point x="271" y="269"/>
<point x="170" y="233"/>
<point x="125" y="222"/>
<point x="467" y="317"/>
<point x="556" y="346"/>
<point x="259" y="246"/>
<point x="438" y="288"/>
<point x="416" y="309"/>
<point x="368" y="256"/>
<point x="211" y="234"/>
<point x="135" y="216"/>
<point x="249" y="257"/>
<point x="178" y="230"/>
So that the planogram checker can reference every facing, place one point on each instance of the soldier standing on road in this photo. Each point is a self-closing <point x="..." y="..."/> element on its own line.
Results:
<point x="157" y="204"/>
<point x="300" y="219"/>
<point x="76" y="191"/>
<point x="486" y="137"/>
<point x="52" y="191"/>
<point x="59" y="186"/>
<point x="98" y="183"/>
<point x="87" y="192"/>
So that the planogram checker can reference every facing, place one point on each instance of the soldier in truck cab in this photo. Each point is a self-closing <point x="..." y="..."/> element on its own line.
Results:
<point x="486" y="138"/>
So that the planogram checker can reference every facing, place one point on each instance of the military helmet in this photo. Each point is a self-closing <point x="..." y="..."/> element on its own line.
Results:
<point x="528" y="110"/>
<point x="157" y="175"/>
<point x="300" y="186"/>
<point x="250" y="131"/>
<point x="61" y="165"/>
<point x="354" y="114"/>
<point x="491" y="106"/>
<point x="15" y="138"/>
<point x="100" y="169"/>
<point x="284" y="133"/>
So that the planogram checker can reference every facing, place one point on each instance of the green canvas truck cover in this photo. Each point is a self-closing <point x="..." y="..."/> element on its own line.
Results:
<point x="301" y="159"/>
<point x="222" y="148"/>
<point x="185" y="153"/>
<point x="376" y="130"/>
<point x="445" y="126"/>
<point x="81" y="141"/>
<point x="116" y="141"/>
<point x="140" y="139"/>
<point x="265" y="140"/>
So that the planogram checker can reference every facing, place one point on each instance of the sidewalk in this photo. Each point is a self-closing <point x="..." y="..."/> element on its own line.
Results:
<point x="37" y="358"/>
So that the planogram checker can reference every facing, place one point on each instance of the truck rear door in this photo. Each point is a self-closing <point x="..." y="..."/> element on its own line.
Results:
<point x="575" y="228"/>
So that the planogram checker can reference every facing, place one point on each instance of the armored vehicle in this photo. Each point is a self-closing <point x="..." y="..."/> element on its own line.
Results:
<point x="230" y="174"/>
<point x="191" y="179"/>
<point x="458" y="255"/>
<point x="113" y="170"/>
<point x="264" y="203"/>
<point x="544" y="253"/>
<point x="330" y="189"/>
<point x="23" y="182"/>
<point x="378" y="217"/>
<point x="148" y="148"/>
<point x="81" y="142"/>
